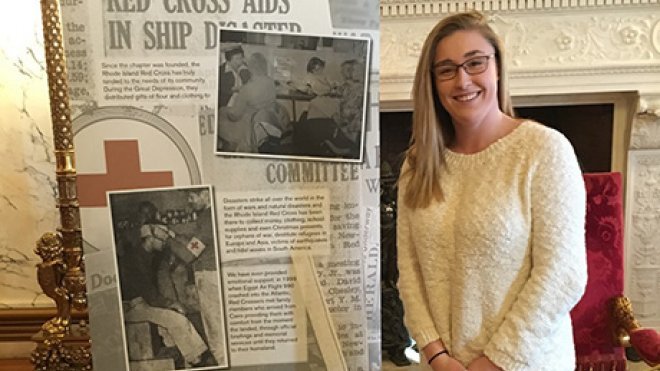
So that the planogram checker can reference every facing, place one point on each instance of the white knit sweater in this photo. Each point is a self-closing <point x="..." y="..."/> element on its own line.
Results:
<point x="495" y="269"/>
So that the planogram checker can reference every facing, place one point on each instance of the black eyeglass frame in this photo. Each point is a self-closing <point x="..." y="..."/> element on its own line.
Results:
<point x="462" y="65"/>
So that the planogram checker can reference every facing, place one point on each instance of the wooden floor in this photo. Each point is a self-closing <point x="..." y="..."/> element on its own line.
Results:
<point x="15" y="365"/>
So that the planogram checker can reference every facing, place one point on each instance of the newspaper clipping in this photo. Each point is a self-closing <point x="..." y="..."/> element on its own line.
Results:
<point x="297" y="240"/>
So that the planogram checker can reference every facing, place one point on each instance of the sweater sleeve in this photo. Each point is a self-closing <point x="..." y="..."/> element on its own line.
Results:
<point x="417" y="316"/>
<point x="559" y="271"/>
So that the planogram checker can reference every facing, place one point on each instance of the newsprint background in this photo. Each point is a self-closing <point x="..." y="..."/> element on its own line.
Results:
<point x="143" y="80"/>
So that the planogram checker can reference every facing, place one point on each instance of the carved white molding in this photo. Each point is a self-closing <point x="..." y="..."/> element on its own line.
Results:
<point x="650" y="104"/>
<point x="645" y="132"/>
<point x="411" y="8"/>
<point x="580" y="40"/>
<point x="549" y="51"/>
<point x="642" y="238"/>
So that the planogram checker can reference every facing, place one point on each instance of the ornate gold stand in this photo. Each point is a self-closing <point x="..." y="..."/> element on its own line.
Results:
<point x="61" y="345"/>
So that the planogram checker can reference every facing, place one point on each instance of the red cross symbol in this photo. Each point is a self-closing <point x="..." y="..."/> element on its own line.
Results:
<point x="194" y="245"/>
<point x="122" y="162"/>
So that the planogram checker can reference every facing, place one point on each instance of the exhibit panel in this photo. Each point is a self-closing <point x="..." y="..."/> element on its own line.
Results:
<point x="228" y="182"/>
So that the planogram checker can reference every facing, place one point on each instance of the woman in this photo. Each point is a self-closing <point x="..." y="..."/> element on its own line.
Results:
<point x="316" y="81"/>
<point x="351" y="102"/>
<point x="325" y="103"/>
<point x="233" y="74"/>
<point x="491" y="216"/>
<point x="346" y="138"/>
<point x="255" y="102"/>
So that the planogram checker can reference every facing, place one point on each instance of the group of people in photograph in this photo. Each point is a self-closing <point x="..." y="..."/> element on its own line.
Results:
<point x="253" y="114"/>
<point x="159" y="278"/>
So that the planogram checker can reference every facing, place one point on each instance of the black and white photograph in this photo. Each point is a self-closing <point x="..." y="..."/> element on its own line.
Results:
<point x="291" y="95"/>
<point x="169" y="278"/>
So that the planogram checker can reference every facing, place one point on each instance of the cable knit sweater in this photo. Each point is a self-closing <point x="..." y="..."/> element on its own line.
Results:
<point x="495" y="268"/>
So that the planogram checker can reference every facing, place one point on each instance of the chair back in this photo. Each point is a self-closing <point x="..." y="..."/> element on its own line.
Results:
<point x="593" y="331"/>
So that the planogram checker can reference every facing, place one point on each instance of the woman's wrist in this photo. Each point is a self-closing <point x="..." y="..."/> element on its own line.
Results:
<point x="432" y="348"/>
<point x="434" y="352"/>
<point x="437" y="355"/>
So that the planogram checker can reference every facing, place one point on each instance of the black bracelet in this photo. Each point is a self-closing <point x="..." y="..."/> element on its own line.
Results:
<point x="444" y="351"/>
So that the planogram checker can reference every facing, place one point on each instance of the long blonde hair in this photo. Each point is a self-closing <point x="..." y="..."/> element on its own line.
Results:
<point x="432" y="127"/>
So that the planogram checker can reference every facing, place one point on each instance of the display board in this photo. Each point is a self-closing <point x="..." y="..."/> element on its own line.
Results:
<point x="228" y="180"/>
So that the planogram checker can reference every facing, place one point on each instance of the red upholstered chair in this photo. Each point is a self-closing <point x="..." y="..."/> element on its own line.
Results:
<point x="595" y="343"/>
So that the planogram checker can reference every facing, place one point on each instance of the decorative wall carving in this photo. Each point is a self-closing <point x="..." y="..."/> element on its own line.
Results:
<point x="645" y="131"/>
<point x="577" y="40"/>
<point x="643" y="235"/>
<point x="543" y="42"/>
<point x="400" y="49"/>
<point x="643" y="214"/>
<point x="404" y="8"/>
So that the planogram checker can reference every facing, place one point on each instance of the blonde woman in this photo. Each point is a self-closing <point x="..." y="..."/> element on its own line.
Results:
<point x="491" y="216"/>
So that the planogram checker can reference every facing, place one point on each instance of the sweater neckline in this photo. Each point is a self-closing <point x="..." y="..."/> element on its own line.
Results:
<point x="455" y="158"/>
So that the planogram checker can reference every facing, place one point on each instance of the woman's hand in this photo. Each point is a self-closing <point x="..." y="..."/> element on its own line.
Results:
<point x="446" y="363"/>
<point x="483" y="364"/>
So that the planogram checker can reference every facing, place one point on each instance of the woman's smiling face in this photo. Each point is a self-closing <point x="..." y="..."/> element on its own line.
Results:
<point x="467" y="98"/>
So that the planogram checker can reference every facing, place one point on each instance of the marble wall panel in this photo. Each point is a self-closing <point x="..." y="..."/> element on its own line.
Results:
<point x="27" y="170"/>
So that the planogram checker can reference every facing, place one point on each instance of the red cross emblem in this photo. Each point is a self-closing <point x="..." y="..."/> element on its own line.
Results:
<point x="123" y="171"/>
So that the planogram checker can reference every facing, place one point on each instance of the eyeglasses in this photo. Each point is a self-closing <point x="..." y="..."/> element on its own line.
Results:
<point x="472" y="66"/>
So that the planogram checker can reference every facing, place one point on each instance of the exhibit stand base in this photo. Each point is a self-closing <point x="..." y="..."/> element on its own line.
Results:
<point x="71" y="351"/>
